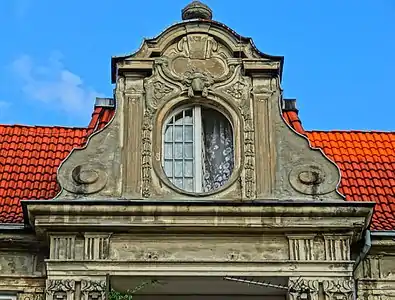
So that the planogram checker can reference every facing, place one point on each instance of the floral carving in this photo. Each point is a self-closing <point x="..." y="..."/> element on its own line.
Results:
<point x="93" y="290"/>
<point x="60" y="289"/>
<point x="338" y="289"/>
<point x="236" y="90"/>
<point x="302" y="289"/>
<point x="249" y="150"/>
<point x="160" y="90"/>
<point x="31" y="296"/>
<point x="147" y="152"/>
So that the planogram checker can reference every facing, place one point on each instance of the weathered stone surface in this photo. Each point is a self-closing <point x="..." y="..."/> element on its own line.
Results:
<point x="278" y="216"/>
<point x="198" y="63"/>
<point x="198" y="248"/>
<point x="21" y="263"/>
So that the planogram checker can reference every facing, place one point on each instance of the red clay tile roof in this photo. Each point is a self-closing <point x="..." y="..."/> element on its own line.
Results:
<point x="367" y="163"/>
<point x="29" y="158"/>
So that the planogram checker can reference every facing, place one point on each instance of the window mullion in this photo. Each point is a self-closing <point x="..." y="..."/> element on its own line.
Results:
<point x="197" y="153"/>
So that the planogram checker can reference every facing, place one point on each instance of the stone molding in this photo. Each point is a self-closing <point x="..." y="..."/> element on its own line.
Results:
<point x="198" y="268"/>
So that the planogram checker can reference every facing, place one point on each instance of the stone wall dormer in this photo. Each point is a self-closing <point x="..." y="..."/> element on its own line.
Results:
<point x="198" y="117"/>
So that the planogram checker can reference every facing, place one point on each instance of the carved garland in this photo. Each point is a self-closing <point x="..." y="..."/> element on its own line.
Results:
<point x="147" y="152"/>
<point x="160" y="91"/>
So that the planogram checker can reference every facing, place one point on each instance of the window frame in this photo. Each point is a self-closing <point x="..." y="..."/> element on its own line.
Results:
<point x="164" y="121"/>
<point x="7" y="296"/>
<point x="161" y="186"/>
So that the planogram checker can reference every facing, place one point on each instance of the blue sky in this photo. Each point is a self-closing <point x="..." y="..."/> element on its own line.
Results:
<point x="339" y="55"/>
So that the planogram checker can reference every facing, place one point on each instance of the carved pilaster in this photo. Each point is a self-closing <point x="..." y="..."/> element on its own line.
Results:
<point x="93" y="290"/>
<point x="263" y="90"/>
<point x="60" y="289"/>
<point x="62" y="246"/>
<point x="338" y="289"/>
<point x="301" y="247"/>
<point x="302" y="289"/>
<point x="96" y="246"/>
<point x="372" y="266"/>
<point x="131" y="114"/>
<point x="337" y="247"/>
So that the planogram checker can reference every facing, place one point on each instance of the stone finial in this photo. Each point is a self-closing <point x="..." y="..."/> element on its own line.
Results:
<point x="197" y="10"/>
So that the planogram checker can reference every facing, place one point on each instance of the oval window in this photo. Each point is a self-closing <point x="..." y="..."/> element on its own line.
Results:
<point x="198" y="150"/>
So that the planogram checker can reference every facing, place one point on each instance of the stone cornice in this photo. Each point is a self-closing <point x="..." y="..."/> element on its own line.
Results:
<point x="200" y="268"/>
<point x="256" y="216"/>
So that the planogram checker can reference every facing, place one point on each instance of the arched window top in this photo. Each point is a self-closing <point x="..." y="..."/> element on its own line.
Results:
<point x="198" y="150"/>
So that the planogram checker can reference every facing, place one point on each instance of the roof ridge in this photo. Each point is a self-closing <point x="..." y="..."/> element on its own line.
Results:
<point x="350" y="131"/>
<point x="42" y="126"/>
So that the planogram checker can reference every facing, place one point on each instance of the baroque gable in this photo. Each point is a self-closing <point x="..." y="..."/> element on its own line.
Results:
<point x="198" y="63"/>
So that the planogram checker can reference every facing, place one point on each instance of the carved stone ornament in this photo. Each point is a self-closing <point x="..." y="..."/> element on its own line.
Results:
<point x="189" y="67"/>
<point x="196" y="10"/>
<point x="146" y="153"/>
<point x="312" y="179"/>
<point x="60" y="289"/>
<point x="31" y="296"/>
<point x="86" y="178"/>
<point x="197" y="82"/>
<point x="237" y="90"/>
<point x="338" y="289"/>
<point x="93" y="290"/>
<point x="302" y="289"/>
<point x="161" y="89"/>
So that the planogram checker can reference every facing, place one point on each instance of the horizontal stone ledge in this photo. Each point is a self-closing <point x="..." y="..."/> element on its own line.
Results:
<point x="199" y="225"/>
<point x="144" y="207"/>
<point x="130" y="268"/>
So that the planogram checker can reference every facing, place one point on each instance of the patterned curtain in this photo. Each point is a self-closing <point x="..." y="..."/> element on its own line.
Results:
<point x="218" y="154"/>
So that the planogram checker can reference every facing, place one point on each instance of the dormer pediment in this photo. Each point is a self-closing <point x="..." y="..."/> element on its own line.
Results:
<point x="198" y="117"/>
<point x="197" y="39"/>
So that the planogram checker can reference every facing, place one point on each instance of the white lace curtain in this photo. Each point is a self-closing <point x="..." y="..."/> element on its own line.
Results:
<point x="218" y="157"/>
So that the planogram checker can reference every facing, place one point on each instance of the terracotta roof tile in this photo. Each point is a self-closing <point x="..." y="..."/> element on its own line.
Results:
<point x="367" y="163"/>
<point x="29" y="158"/>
